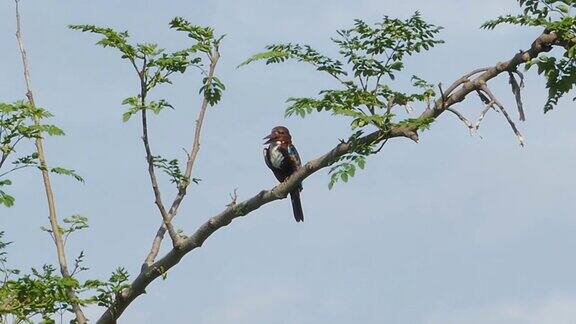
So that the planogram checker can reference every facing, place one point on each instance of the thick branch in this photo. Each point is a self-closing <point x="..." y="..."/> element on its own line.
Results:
<point x="80" y="318"/>
<point x="182" y="188"/>
<point x="234" y="211"/>
<point x="149" y="274"/>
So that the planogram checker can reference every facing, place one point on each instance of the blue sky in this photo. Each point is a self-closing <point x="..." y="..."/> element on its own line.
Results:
<point x="455" y="229"/>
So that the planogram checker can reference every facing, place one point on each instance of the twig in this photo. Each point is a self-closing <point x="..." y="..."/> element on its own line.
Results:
<point x="80" y="318"/>
<point x="462" y="118"/>
<point x="381" y="146"/>
<point x="442" y="96"/>
<point x="13" y="169"/>
<point x="408" y="108"/>
<point x="516" y="90"/>
<point x="520" y="75"/>
<point x="390" y="105"/>
<point x="482" y="115"/>
<point x="233" y="197"/>
<point x="2" y="160"/>
<point x="495" y="101"/>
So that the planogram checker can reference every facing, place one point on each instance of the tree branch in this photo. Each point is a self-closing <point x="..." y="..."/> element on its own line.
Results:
<point x="150" y="160"/>
<point x="13" y="169"/>
<point x="496" y="102"/>
<point x="80" y="318"/>
<point x="482" y="115"/>
<point x="148" y="274"/>
<point x="463" y="79"/>
<point x="516" y="90"/>
<point x="462" y="118"/>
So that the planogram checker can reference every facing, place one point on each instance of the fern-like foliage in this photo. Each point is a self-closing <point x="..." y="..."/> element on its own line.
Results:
<point x="371" y="55"/>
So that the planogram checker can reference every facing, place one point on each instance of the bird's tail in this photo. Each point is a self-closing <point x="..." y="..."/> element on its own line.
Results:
<point x="296" y="205"/>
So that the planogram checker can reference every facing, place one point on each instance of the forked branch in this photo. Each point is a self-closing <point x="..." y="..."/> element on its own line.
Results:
<point x="182" y="188"/>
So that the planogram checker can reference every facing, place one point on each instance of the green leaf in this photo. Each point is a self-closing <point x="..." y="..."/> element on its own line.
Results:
<point x="199" y="33"/>
<point x="271" y="56"/>
<point x="5" y="182"/>
<point x="52" y="130"/>
<point x="303" y="53"/>
<point x="212" y="89"/>
<point x="67" y="172"/>
<point x="6" y="199"/>
<point x="110" y="38"/>
<point x="172" y="169"/>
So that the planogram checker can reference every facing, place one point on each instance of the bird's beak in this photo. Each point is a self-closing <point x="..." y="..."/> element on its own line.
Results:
<point x="268" y="138"/>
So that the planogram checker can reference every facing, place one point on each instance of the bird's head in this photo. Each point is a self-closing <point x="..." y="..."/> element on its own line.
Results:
<point x="278" y="134"/>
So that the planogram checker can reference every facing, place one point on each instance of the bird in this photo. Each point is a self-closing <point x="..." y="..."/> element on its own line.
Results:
<point x="282" y="158"/>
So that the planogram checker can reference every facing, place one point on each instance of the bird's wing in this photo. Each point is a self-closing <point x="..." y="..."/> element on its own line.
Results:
<point x="296" y="162"/>
<point x="267" y="159"/>
<point x="277" y="172"/>
<point x="294" y="156"/>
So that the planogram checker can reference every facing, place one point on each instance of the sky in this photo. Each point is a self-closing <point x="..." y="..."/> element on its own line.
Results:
<point x="454" y="229"/>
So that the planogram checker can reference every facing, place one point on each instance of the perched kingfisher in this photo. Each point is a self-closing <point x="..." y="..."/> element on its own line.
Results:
<point x="283" y="159"/>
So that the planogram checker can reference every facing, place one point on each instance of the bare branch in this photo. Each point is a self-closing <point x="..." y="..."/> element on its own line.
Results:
<point x="517" y="93"/>
<point x="521" y="76"/>
<point x="496" y="102"/>
<point x="381" y="147"/>
<point x="233" y="197"/>
<point x="462" y="118"/>
<point x="2" y="160"/>
<point x="442" y="96"/>
<point x="80" y="318"/>
<point x="13" y="169"/>
<point x="482" y="115"/>
<point x="483" y="97"/>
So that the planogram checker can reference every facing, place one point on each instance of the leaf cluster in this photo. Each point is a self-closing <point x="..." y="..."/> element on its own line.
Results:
<point x="20" y="122"/>
<point x="155" y="66"/>
<point x="371" y="55"/>
<point x="43" y="292"/>
<point x="67" y="172"/>
<point x="172" y="169"/>
<point x="346" y="168"/>
<point x="106" y="292"/>
<point x="73" y="223"/>
<point x="555" y="16"/>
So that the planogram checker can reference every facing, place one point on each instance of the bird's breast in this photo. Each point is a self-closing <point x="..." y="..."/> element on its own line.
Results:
<point x="276" y="157"/>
